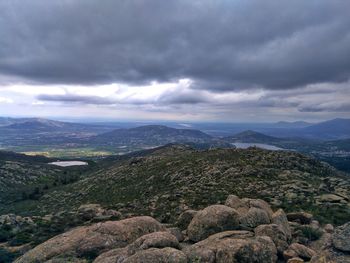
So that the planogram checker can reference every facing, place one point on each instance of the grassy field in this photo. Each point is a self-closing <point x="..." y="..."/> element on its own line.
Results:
<point x="70" y="153"/>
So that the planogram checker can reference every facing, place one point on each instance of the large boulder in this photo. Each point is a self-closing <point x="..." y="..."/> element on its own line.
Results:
<point x="154" y="240"/>
<point x="235" y="202"/>
<point x="341" y="237"/>
<point x="330" y="198"/>
<point x="177" y="233"/>
<point x="150" y="247"/>
<point x="275" y="233"/>
<point x="90" y="241"/>
<point x="243" y="205"/>
<point x="253" y="218"/>
<point x="156" y="255"/>
<point x="185" y="218"/>
<point x="280" y="218"/>
<point x="233" y="247"/>
<point x="253" y="212"/>
<point x="211" y="220"/>
<point x="261" y="204"/>
<point x="298" y="250"/>
<point x="67" y="259"/>
<point x="295" y="260"/>
<point x="114" y="255"/>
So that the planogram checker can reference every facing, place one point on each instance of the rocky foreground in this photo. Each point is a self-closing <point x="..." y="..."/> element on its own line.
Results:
<point x="241" y="230"/>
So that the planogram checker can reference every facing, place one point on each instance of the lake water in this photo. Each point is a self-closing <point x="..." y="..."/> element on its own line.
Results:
<point x="241" y="145"/>
<point x="69" y="163"/>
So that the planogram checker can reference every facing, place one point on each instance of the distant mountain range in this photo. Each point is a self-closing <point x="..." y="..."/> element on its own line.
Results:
<point x="155" y="135"/>
<point x="251" y="137"/>
<point x="56" y="138"/>
<point x="295" y="124"/>
<point x="332" y="129"/>
<point x="40" y="124"/>
<point x="327" y="130"/>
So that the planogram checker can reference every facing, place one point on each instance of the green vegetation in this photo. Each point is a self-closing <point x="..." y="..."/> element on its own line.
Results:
<point x="6" y="256"/>
<point x="309" y="233"/>
<point x="172" y="177"/>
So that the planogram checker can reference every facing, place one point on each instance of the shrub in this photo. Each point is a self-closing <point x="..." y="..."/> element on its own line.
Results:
<point x="20" y="239"/>
<point x="6" y="256"/>
<point x="310" y="233"/>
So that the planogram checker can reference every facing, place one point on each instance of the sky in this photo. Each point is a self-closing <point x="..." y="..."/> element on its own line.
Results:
<point x="198" y="60"/>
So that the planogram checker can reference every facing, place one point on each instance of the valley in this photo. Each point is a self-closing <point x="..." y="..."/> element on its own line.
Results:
<point x="57" y="139"/>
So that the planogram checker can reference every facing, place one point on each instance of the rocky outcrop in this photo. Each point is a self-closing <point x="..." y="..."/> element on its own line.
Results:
<point x="280" y="218"/>
<point x="153" y="247"/>
<point x="96" y="212"/>
<point x="252" y="212"/>
<point x="341" y="237"/>
<point x="253" y="218"/>
<point x="93" y="240"/>
<point x="298" y="250"/>
<point x="156" y="255"/>
<point x="15" y="223"/>
<point x="185" y="218"/>
<point x="243" y="205"/>
<point x="231" y="247"/>
<point x="211" y="220"/>
<point x="331" y="247"/>
<point x="276" y="234"/>
<point x="244" y="230"/>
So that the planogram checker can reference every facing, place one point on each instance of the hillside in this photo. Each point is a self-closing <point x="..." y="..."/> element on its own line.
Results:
<point x="166" y="183"/>
<point x="175" y="177"/>
<point x="26" y="178"/>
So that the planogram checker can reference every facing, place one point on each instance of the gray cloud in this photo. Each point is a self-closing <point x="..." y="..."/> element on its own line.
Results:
<point x="220" y="45"/>
<point x="326" y="107"/>
<point x="72" y="98"/>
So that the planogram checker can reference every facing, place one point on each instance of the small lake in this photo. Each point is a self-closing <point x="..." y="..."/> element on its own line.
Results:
<point x="69" y="163"/>
<point x="241" y="145"/>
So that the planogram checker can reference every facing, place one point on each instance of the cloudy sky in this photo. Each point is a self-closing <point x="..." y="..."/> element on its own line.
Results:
<point x="194" y="60"/>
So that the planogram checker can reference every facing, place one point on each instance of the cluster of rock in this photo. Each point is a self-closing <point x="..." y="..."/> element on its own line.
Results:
<point x="18" y="234"/>
<point x="15" y="222"/>
<point x="242" y="230"/>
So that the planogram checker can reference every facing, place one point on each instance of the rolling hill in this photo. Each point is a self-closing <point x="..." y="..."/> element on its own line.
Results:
<point x="174" y="176"/>
<point x="252" y="137"/>
<point x="332" y="129"/>
<point x="162" y="183"/>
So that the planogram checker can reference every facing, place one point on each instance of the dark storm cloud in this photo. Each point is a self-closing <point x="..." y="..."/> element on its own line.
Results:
<point x="220" y="45"/>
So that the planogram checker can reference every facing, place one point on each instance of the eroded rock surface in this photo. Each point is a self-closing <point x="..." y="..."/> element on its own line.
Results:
<point x="211" y="220"/>
<point x="93" y="240"/>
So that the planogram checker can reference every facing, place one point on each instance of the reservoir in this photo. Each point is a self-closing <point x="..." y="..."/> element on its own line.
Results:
<point x="68" y="163"/>
<point x="241" y="145"/>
